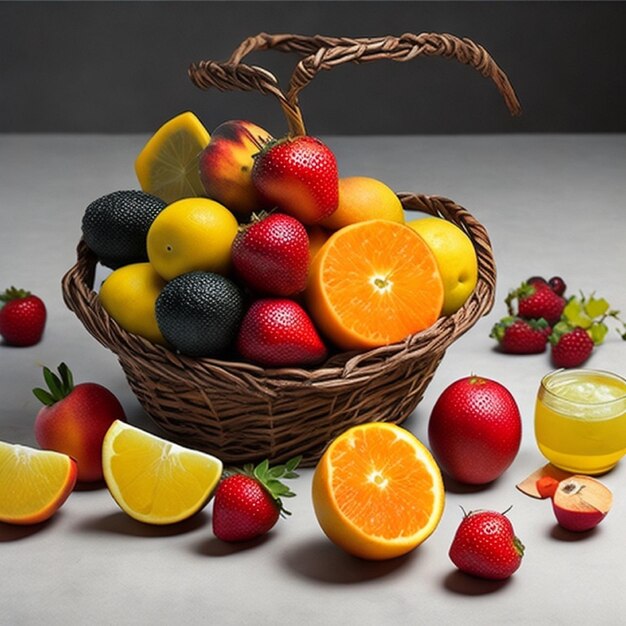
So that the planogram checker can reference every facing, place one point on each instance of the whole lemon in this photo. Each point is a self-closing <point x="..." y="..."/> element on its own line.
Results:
<point x="193" y="234"/>
<point x="362" y="198"/>
<point x="129" y="296"/>
<point x="456" y="258"/>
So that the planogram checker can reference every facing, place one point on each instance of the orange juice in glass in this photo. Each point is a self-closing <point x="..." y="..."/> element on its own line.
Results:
<point x="580" y="420"/>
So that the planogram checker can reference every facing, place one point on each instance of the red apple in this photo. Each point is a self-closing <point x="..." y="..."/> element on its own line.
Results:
<point x="226" y="165"/>
<point x="75" y="419"/>
<point x="580" y="503"/>
<point x="475" y="430"/>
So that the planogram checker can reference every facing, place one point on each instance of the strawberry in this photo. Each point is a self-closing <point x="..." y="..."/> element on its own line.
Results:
<point x="277" y="332"/>
<point x="22" y="317"/>
<point x="298" y="175"/>
<point x="556" y="283"/>
<point x="247" y="502"/>
<point x="485" y="545"/>
<point x="74" y="420"/>
<point x="571" y="346"/>
<point x="519" y="336"/>
<point x="271" y="254"/>
<point x="536" y="300"/>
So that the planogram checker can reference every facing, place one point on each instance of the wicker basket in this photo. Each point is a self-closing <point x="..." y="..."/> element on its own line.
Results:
<point x="241" y="412"/>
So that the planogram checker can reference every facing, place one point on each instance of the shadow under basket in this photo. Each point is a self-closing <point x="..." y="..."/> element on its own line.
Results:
<point x="243" y="413"/>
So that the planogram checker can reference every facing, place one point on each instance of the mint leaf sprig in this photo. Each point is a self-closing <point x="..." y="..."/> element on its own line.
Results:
<point x="591" y="314"/>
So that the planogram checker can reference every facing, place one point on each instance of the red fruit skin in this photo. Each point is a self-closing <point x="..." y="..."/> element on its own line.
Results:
<point x="521" y="338"/>
<point x="271" y="255"/>
<point x="577" y="521"/>
<point x="300" y="177"/>
<point x="557" y="284"/>
<point x="22" y="321"/>
<point x="572" y="349"/>
<point x="243" y="509"/>
<point x="475" y="430"/>
<point x="485" y="545"/>
<point x="77" y="424"/>
<point x="278" y="332"/>
<point x="541" y="302"/>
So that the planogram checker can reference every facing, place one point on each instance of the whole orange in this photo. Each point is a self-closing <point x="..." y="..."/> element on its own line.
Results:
<point x="362" y="198"/>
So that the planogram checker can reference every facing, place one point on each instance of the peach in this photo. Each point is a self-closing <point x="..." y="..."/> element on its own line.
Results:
<point x="226" y="165"/>
<point x="75" y="419"/>
<point x="580" y="503"/>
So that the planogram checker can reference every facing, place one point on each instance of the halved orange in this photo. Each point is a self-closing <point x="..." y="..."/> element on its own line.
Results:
<point x="377" y="491"/>
<point x="154" y="480"/>
<point x="374" y="283"/>
<point x="33" y="483"/>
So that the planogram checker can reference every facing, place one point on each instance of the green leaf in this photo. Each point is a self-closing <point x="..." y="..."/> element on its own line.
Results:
<point x="278" y="471"/>
<point x="43" y="396"/>
<point x="598" y="332"/>
<point x="54" y="384"/>
<point x="596" y="307"/>
<point x="66" y="378"/>
<point x="261" y="470"/>
<point x="574" y="312"/>
<point x="293" y="463"/>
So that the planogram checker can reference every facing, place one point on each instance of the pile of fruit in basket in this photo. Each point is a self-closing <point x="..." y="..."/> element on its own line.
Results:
<point x="241" y="245"/>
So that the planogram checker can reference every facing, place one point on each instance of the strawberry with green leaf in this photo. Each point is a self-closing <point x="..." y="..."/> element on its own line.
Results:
<point x="22" y="317"/>
<point x="248" y="501"/>
<point x="583" y="326"/>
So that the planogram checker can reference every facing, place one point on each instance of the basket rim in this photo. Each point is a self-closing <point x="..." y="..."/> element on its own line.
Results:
<point x="80" y="298"/>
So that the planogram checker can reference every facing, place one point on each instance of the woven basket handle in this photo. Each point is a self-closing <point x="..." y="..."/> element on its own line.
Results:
<point x="324" y="53"/>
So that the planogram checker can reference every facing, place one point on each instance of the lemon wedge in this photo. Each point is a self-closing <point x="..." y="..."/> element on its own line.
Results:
<point x="154" y="480"/>
<point x="167" y="166"/>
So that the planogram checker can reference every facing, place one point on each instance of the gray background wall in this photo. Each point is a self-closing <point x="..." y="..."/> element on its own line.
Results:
<point x="116" y="67"/>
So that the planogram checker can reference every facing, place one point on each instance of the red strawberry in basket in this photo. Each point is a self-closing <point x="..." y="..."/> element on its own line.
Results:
<point x="277" y="332"/>
<point x="299" y="176"/>
<point x="536" y="300"/>
<point x="22" y="317"/>
<point x="247" y="503"/>
<point x="519" y="336"/>
<point x="571" y="346"/>
<point x="271" y="254"/>
<point x="485" y="545"/>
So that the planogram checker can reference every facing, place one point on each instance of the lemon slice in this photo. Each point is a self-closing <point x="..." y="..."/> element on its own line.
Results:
<point x="33" y="483"/>
<point x="167" y="166"/>
<point x="154" y="480"/>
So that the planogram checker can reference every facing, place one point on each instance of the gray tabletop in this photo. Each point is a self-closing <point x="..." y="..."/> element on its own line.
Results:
<point x="552" y="204"/>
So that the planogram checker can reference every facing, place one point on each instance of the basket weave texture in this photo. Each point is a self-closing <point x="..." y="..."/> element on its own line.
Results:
<point x="241" y="412"/>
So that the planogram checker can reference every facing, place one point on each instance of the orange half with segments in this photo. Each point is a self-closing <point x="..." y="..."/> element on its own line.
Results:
<point x="374" y="283"/>
<point x="377" y="491"/>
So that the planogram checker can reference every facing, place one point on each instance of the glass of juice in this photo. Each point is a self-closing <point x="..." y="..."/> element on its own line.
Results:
<point x="580" y="420"/>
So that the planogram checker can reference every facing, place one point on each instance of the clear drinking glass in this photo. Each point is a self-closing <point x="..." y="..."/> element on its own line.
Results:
<point x="580" y="420"/>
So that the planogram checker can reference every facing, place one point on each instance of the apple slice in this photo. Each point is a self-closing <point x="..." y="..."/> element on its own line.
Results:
<point x="581" y="502"/>
<point x="33" y="483"/>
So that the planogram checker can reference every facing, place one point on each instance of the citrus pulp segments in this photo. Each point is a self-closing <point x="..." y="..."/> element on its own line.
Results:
<point x="377" y="491"/>
<point x="33" y="483"/>
<point x="153" y="480"/>
<point x="167" y="166"/>
<point x="373" y="283"/>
